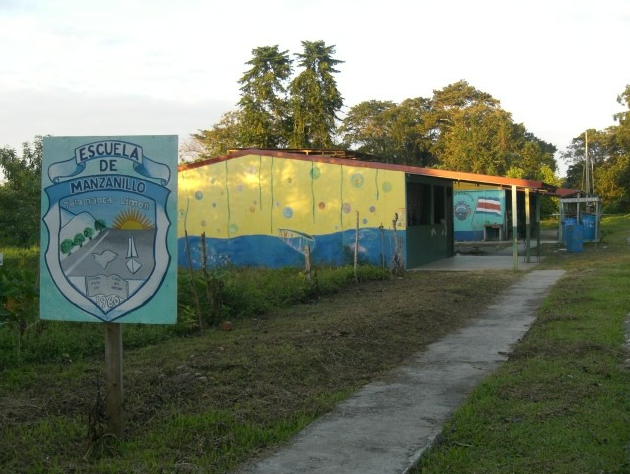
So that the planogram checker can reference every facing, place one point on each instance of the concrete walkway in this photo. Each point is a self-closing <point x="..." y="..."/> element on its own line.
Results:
<point x="387" y="425"/>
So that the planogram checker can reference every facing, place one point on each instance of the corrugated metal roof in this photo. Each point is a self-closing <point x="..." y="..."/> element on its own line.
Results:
<point x="349" y="158"/>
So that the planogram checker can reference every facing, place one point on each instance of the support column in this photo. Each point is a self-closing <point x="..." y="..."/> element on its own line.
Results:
<point x="514" y="228"/>
<point x="538" y="196"/>
<point x="528" y="228"/>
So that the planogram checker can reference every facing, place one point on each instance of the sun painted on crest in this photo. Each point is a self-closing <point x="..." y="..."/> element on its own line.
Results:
<point x="132" y="220"/>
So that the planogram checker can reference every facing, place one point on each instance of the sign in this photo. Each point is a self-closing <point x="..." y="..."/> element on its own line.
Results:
<point x="108" y="234"/>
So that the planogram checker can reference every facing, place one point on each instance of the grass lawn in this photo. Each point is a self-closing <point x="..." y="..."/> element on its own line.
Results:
<point x="208" y="402"/>
<point x="561" y="404"/>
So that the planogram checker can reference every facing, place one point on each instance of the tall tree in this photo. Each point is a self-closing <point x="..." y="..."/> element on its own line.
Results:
<point x="263" y="103"/>
<point x="315" y="99"/>
<point x="20" y="194"/>
<point x="473" y="133"/>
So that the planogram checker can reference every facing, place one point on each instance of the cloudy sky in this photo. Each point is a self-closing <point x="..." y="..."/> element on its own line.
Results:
<point x="133" y="67"/>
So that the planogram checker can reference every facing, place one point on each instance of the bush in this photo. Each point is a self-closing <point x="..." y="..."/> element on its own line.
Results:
<point x="204" y="300"/>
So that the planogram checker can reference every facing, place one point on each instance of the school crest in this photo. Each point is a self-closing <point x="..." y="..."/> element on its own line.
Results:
<point x="107" y="226"/>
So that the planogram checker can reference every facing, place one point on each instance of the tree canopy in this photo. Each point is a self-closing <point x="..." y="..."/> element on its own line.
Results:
<point x="459" y="127"/>
<point x="608" y="159"/>
<point x="20" y="194"/>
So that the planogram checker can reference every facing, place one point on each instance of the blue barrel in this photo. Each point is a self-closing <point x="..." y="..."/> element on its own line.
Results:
<point x="575" y="238"/>
<point x="588" y="221"/>
<point x="567" y="222"/>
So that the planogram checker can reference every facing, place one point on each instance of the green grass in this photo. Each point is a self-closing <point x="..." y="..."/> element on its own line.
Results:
<point x="208" y="402"/>
<point x="561" y="404"/>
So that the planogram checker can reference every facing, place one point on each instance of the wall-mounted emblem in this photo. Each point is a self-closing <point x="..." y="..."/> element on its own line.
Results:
<point x="108" y="236"/>
<point x="462" y="210"/>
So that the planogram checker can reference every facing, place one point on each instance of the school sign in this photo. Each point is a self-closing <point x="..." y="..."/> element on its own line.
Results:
<point x="108" y="233"/>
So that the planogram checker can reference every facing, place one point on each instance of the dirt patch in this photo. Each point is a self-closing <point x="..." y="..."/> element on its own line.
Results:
<point x="296" y="360"/>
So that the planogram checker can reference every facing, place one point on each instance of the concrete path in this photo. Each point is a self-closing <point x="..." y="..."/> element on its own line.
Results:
<point x="387" y="425"/>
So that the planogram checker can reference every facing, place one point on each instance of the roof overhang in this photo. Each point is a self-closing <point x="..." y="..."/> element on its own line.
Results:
<point x="343" y="157"/>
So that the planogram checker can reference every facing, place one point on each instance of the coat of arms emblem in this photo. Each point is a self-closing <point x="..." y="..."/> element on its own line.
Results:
<point x="107" y="225"/>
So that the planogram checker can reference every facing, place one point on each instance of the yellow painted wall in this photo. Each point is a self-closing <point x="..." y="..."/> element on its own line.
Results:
<point x="258" y="195"/>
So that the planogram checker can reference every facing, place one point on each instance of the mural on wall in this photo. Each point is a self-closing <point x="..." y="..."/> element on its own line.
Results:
<point x="474" y="209"/>
<point x="269" y="211"/>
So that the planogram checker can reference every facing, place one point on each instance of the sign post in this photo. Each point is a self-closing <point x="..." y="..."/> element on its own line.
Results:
<point x="114" y="378"/>
<point x="108" y="239"/>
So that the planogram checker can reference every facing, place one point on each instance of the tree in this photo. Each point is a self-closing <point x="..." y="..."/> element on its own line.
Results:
<point x="79" y="238"/>
<point x="394" y="132"/>
<point x="367" y="128"/>
<point x="88" y="232"/>
<point x="66" y="246"/>
<point x="314" y="97"/>
<point x="471" y="132"/>
<point x="224" y="135"/>
<point x="20" y="194"/>
<point x="263" y="104"/>
<point x="608" y="158"/>
<point x="99" y="225"/>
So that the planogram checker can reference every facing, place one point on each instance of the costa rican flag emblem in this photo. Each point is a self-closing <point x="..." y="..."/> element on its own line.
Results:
<point x="487" y="205"/>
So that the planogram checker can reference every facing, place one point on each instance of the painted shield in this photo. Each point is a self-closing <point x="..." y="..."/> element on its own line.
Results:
<point x="107" y="248"/>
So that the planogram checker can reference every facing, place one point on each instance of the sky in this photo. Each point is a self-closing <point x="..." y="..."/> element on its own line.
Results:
<point x="153" y="67"/>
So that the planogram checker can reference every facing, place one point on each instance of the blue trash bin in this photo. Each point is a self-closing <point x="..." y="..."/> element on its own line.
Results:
<point x="575" y="238"/>
<point x="588" y="221"/>
<point x="567" y="222"/>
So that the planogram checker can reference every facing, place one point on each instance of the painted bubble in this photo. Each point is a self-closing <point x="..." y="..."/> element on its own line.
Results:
<point x="365" y="221"/>
<point x="214" y="204"/>
<point x="287" y="212"/>
<point x="198" y="195"/>
<point x="315" y="173"/>
<point x="182" y="212"/>
<point x="347" y="207"/>
<point x="357" y="180"/>
<point x="322" y="205"/>
<point x="252" y="208"/>
<point x="372" y="209"/>
<point x="386" y="186"/>
<point x="213" y="180"/>
<point x="233" y="228"/>
<point x="203" y="223"/>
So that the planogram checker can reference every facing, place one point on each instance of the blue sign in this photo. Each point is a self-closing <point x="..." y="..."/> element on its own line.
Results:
<point x="108" y="234"/>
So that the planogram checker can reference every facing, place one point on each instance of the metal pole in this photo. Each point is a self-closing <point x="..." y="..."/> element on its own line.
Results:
<point x="538" y="196"/>
<point x="514" y="228"/>
<point x="528" y="227"/>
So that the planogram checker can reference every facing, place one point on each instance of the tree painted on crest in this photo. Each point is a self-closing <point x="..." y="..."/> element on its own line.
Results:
<point x="66" y="246"/>
<point x="88" y="232"/>
<point x="79" y="239"/>
<point x="99" y="225"/>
